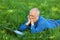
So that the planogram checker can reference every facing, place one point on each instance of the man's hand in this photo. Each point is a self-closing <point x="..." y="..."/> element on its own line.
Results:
<point x="32" y="21"/>
<point x="28" y="21"/>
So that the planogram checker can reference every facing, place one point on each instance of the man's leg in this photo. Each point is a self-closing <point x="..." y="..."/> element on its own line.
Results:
<point x="58" y="21"/>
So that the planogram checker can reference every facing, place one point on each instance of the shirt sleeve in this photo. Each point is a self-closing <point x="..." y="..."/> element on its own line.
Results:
<point x="23" y="27"/>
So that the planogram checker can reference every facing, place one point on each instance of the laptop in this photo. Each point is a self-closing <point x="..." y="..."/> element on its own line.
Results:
<point x="8" y="30"/>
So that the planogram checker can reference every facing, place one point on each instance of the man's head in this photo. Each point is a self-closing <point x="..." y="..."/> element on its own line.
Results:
<point x="34" y="14"/>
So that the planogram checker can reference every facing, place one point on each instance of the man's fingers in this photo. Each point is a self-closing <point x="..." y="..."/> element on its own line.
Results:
<point x="28" y="18"/>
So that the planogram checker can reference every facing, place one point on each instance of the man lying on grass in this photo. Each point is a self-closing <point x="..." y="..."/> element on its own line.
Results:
<point x="38" y="23"/>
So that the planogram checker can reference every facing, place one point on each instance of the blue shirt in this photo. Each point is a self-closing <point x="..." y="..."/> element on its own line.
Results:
<point x="41" y="24"/>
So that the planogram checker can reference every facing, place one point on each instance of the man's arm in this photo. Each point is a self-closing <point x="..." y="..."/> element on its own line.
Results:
<point x="39" y="28"/>
<point x="24" y="26"/>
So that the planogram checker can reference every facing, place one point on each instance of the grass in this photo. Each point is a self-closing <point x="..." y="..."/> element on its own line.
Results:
<point x="14" y="12"/>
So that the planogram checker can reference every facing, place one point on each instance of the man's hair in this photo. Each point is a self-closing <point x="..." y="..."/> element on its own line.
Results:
<point x="36" y="9"/>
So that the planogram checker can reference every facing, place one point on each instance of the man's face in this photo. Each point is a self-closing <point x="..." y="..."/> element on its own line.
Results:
<point x="33" y="15"/>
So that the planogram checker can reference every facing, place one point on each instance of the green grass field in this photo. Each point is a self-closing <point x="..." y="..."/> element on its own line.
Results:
<point x="14" y="12"/>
